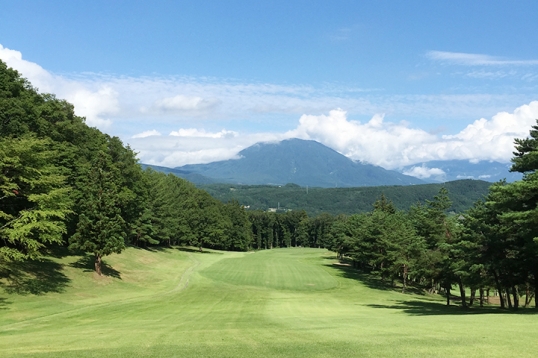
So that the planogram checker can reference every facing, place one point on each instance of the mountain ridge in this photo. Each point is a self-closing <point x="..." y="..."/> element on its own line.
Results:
<point x="297" y="161"/>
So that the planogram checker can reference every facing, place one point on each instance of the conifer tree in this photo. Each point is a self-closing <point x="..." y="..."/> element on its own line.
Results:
<point x="100" y="229"/>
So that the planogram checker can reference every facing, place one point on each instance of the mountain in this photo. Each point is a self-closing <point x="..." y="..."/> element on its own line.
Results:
<point x="302" y="162"/>
<point x="192" y="177"/>
<point x="447" y="170"/>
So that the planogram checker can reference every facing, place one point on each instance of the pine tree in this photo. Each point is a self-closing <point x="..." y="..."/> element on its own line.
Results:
<point x="525" y="158"/>
<point x="100" y="229"/>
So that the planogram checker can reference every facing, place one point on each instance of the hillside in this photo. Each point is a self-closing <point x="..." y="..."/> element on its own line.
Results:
<point x="301" y="162"/>
<point x="192" y="177"/>
<point x="463" y="194"/>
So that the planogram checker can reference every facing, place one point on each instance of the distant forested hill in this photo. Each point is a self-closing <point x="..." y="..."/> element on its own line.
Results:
<point x="463" y="194"/>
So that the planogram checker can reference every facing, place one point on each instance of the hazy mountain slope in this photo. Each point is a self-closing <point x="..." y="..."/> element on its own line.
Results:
<point x="192" y="177"/>
<point x="303" y="162"/>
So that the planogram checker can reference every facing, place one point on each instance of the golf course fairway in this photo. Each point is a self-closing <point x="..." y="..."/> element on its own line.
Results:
<point x="294" y="302"/>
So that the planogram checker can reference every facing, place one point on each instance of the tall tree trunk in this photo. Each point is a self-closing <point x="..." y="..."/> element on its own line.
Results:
<point x="462" y="293"/>
<point x="516" y="297"/>
<point x="499" y="288"/>
<point x="448" y="295"/>
<point x="98" y="264"/>
<point x="508" y="298"/>
<point x="481" y="293"/>
<point x="404" y="278"/>
<point x="487" y="296"/>
<point x="536" y="287"/>
<point x="382" y="272"/>
<point x="473" y="295"/>
<point x="529" y="295"/>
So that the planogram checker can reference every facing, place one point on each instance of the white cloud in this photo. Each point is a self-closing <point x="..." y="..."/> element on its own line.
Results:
<point x="145" y="134"/>
<point x="377" y="142"/>
<point x="390" y="145"/>
<point x="128" y="105"/>
<point x="491" y="139"/>
<point x="174" y="151"/>
<point x="473" y="59"/>
<point x="181" y="103"/>
<point x="142" y="107"/>
<point x="490" y="75"/>
<point x="387" y="144"/>
<point x="393" y="145"/>
<point x="193" y="132"/>
<point x="423" y="172"/>
<point x="39" y="77"/>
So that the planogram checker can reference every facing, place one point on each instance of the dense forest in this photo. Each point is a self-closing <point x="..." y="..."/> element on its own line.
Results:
<point x="64" y="183"/>
<point x="335" y="201"/>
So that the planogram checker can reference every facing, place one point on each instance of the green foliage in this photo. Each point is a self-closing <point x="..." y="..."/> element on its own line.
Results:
<point x="100" y="228"/>
<point x="34" y="200"/>
<point x="239" y="232"/>
<point x="501" y="233"/>
<point x="463" y="193"/>
<point x="61" y="179"/>
<point x="526" y="155"/>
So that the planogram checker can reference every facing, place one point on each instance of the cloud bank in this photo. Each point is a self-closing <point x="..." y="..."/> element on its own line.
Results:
<point x="195" y="112"/>
<point x="423" y="172"/>
<point x="390" y="145"/>
<point x="125" y="105"/>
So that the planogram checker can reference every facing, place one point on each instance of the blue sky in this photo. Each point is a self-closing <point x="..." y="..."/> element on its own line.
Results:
<point x="387" y="82"/>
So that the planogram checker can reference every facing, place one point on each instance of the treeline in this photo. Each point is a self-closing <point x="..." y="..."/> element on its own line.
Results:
<point x="62" y="182"/>
<point x="482" y="249"/>
<point x="335" y="201"/>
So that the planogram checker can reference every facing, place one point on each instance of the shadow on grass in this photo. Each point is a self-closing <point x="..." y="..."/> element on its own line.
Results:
<point x="33" y="277"/>
<point x="372" y="281"/>
<point x="58" y="251"/>
<point x="197" y="250"/>
<point x="3" y="303"/>
<point x="426" y="308"/>
<point x="153" y="248"/>
<point x="87" y="263"/>
<point x="419" y="307"/>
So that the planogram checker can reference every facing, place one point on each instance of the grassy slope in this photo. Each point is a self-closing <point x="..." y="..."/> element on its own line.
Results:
<point x="285" y="302"/>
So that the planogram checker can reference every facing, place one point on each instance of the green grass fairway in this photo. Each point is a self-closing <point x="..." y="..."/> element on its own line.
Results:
<point x="274" y="303"/>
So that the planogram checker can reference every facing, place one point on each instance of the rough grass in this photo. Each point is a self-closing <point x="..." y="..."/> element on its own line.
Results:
<point x="285" y="302"/>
